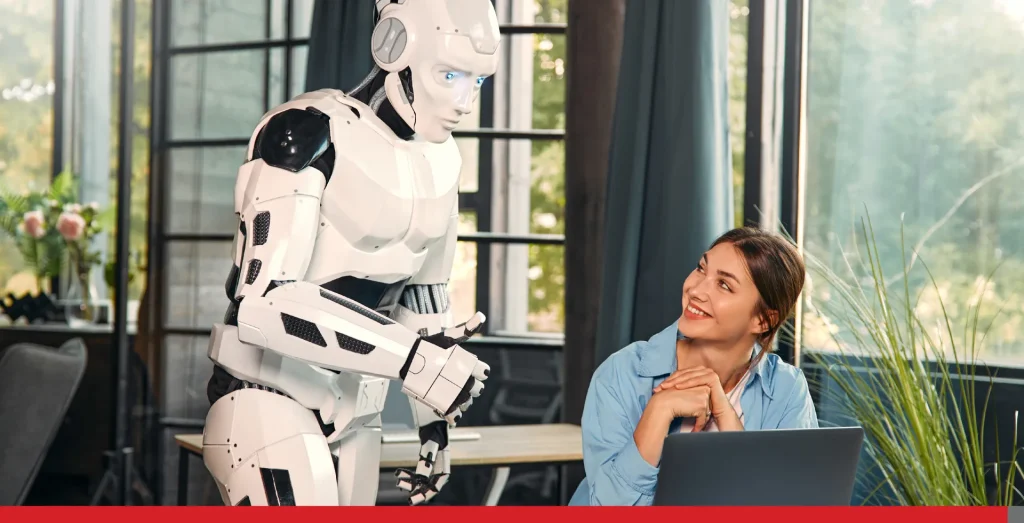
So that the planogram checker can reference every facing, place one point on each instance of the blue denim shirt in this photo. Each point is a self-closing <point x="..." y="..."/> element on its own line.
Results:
<point x="775" y="397"/>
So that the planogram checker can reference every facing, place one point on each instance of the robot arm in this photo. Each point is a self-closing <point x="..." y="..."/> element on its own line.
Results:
<point x="278" y="200"/>
<point x="425" y="308"/>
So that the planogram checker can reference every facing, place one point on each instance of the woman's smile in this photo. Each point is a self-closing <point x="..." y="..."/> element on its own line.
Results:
<point x="693" y="312"/>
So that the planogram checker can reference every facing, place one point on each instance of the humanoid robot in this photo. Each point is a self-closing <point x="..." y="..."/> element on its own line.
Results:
<point x="347" y="209"/>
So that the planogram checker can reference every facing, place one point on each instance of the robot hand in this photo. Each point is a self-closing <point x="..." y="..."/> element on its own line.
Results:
<point x="440" y="356"/>
<point x="434" y="467"/>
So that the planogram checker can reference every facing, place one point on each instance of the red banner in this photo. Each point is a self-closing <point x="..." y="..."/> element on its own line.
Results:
<point x="432" y="514"/>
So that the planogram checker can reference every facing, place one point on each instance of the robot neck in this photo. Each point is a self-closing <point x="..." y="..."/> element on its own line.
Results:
<point x="370" y="87"/>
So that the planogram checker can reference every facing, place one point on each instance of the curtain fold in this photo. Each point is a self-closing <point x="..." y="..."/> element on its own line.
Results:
<point x="339" y="44"/>
<point x="669" y="180"/>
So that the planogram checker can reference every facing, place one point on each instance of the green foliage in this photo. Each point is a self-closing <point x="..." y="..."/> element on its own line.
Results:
<point x="913" y="109"/>
<point x="895" y="377"/>
<point x="44" y="246"/>
<point x="547" y="188"/>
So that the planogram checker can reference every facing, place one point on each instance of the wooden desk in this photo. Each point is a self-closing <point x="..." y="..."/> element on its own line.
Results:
<point x="498" y="446"/>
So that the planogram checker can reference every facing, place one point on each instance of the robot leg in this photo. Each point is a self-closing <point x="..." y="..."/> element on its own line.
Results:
<point x="356" y="438"/>
<point x="263" y="448"/>
<point x="358" y="456"/>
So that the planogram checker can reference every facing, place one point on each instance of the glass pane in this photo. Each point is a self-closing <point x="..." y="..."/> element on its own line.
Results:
<point x="195" y="276"/>
<point x="201" y="196"/>
<point x="550" y="11"/>
<point x="530" y="83"/>
<point x="277" y="94"/>
<point x="548" y="81"/>
<point x="462" y="285"/>
<point x="913" y="110"/>
<point x="302" y="18"/>
<point x="547" y="186"/>
<point x="530" y="177"/>
<point x="739" y="17"/>
<point x="208" y="22"/>
<point x="298" y="80"/>
<point x="216" y="95"/>
<point x="469" y="178"/>
<point x="547" y="288"/>
<point x="26" y="117"/>
<point x="277" y="19"/>
<point x="187" y="369"/>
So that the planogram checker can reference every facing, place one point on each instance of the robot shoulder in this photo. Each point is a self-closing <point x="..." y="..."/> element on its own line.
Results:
<point x="296" y="138"/>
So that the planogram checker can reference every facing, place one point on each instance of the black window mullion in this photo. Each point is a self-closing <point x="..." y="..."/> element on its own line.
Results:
<point x="268" y="4"/>
<point x="288" y="41"/>
<point x="237" y="46"/>
<point x="288" y="50"/>
<point x="484" y="200"/>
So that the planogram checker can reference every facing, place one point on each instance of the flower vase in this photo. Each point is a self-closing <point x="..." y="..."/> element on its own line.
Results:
<point x="80" y="304"/>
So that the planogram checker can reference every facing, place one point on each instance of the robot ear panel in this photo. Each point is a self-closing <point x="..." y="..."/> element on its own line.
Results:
<point x="389" y="44"/>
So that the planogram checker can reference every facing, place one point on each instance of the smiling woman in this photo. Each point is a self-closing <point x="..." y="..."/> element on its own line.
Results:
<point x="711" y="370"/>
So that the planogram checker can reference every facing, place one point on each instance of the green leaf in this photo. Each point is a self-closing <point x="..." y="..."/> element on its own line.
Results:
<point x="64" y="189"/>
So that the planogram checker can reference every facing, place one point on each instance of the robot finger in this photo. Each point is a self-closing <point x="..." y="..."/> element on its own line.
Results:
<point x="481" y="370"/>
<point x="478" y="388"/>
<point x="453" y="418"/>
<point x="474" y="323"/>
<point x="465" y="406"/>
<point x="429" y="494"/>
<point x="440" y="483"/>
<point x="417" y="498"/>
<point x="426" y="465"/>
<point x="429" y="449"/>
<point x="404" y="484"/>
<point x="443" y="466"/>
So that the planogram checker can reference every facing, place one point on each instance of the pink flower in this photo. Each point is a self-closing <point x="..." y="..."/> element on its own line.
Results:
<point x="70" y="225"/>
<point x="33" y="224"/>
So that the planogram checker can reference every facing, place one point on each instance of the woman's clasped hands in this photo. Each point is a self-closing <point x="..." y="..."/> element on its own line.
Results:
<point x="697" y="392"/>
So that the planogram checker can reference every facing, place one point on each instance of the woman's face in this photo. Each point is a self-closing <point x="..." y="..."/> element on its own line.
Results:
<point x="719" y="298"/>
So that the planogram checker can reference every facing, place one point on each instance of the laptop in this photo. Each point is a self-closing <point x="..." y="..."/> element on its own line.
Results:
<point x="785" y="467"/>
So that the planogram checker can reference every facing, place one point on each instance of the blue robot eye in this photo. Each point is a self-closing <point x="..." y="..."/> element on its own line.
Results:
<point x="449" y="76"/>
<point x="480" y="80"/>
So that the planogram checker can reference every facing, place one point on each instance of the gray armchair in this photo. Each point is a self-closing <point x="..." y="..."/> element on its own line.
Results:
<point x="37" y="385"/>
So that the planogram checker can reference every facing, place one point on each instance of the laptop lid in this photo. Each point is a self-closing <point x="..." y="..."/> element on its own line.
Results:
<point x="785" y="467"/>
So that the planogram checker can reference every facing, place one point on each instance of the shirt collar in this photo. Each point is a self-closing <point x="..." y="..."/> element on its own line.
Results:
<point x="658" y="358"/>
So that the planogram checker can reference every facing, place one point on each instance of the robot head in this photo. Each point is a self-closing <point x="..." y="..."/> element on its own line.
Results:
<point x="437" y="54"/>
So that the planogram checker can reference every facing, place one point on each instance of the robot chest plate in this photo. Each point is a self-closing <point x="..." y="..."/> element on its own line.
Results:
<point x="383" y="207"/>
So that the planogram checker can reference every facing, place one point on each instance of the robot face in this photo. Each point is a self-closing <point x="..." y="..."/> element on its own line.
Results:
<point x="456" y="51"/>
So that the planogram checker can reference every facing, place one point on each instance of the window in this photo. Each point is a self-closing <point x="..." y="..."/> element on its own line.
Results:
<point x="511" y="260"/>
<point x="913" y="110"/>
<point x="227" y="63"/>
<point x="26" y="110"/>
<point x="739" y="19"/>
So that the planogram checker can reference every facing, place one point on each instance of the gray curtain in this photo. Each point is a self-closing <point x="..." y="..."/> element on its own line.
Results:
<point x="669" y="179"/>
<point x="339" y="44"/>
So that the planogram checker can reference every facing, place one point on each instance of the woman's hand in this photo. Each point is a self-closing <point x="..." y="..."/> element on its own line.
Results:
<point x="661" y="410"/>
<point x="702" y="377"/>
<point x="693" y="402"/>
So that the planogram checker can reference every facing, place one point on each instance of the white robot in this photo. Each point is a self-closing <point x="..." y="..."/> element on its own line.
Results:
<point x="348" y="206"/>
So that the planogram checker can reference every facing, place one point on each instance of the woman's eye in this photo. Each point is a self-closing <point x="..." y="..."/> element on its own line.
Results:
<point x="724" y="285"/>
<point x="700" y="269"/>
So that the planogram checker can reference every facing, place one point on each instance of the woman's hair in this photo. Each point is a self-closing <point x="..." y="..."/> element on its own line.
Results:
<point x="777" y="270"/>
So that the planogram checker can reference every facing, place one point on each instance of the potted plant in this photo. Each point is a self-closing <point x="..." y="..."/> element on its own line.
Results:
<point x="912" y="385"/>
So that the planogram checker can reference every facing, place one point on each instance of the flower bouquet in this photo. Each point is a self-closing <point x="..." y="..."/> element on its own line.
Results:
<point x="54" y="232"/>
